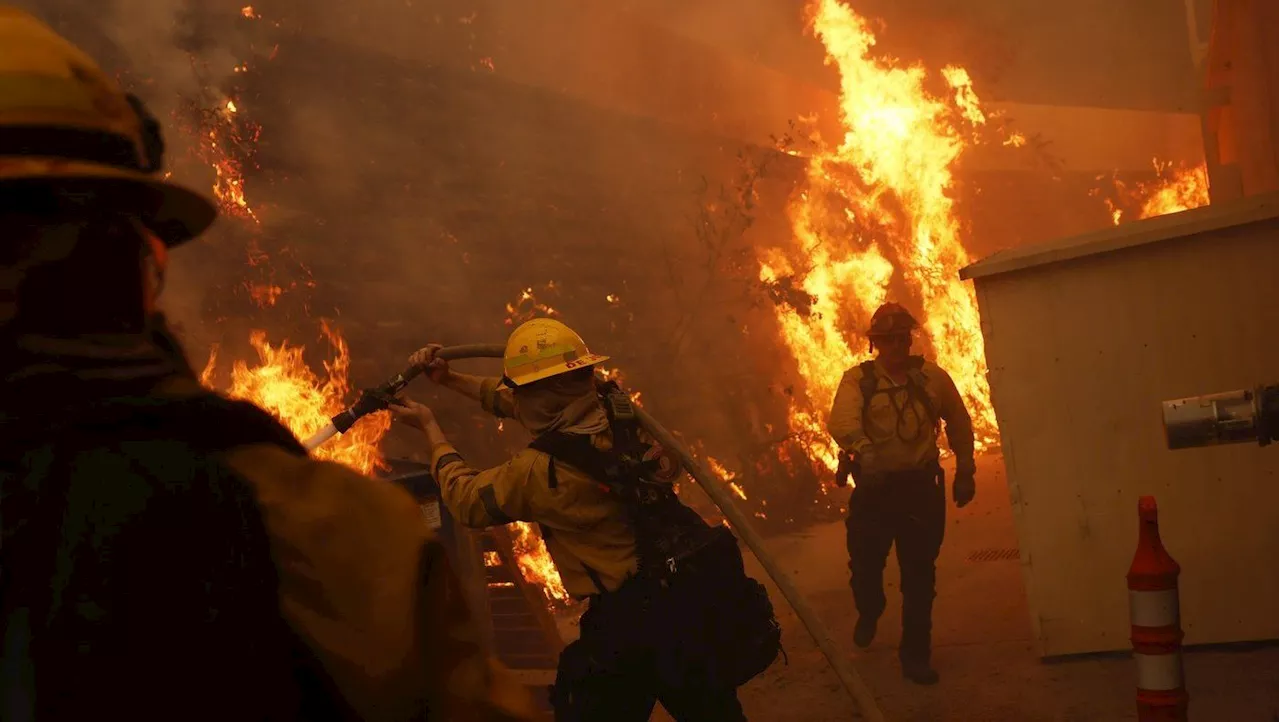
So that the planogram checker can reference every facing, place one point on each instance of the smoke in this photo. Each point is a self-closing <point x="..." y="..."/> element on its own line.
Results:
<point x="180" y="57"/>
<point x="166" y="51"/>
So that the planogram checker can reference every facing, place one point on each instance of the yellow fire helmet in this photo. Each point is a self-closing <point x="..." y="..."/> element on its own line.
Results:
<point x="64" y="122"/>
<point x="543" y="348"/>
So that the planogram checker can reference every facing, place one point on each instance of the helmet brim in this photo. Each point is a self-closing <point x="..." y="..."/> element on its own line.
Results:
<point x="176" y="214"/>
<point x="554" y="370"/>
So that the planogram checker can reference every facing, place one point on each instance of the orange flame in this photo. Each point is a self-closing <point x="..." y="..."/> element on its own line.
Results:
<point x="535" y="563"/>
<point x="281" y="382"/>
<point x="1175" y="189"/>
<point x="875" y="220"/>
<point x="726" y="476"/>
<point x="285" y="386"/>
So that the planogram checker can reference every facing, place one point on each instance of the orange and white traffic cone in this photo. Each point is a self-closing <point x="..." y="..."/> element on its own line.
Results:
<point x="1155" y="623"/>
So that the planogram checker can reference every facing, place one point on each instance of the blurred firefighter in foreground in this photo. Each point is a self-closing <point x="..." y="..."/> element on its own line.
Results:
<point x="673" y="616"/>
<point x="168" y="553"/>
<point x="885" y="419"/>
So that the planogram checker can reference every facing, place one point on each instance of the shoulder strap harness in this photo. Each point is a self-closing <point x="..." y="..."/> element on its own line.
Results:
<point x="666" y="530"/>
<point x="869" y="384"/>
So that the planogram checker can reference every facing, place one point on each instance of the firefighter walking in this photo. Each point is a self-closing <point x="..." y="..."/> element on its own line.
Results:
<point x="885" y="418"/>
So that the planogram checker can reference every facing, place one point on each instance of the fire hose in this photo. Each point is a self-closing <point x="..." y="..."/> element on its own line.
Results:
<point x="377" y="399"/>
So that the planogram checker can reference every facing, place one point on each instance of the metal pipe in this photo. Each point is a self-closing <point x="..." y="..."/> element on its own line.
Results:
<point x="1234" y="417"/>
<point x="849" y="678"/>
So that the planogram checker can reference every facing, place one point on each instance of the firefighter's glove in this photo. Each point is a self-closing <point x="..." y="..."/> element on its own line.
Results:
<point x="370" y="401"/>
<point x="849" y="467"/>
<point x="425" y="360"/>
<point x="963" y="489"/>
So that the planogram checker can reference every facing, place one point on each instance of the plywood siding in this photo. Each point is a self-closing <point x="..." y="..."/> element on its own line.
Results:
<point x="1081" y="354"/>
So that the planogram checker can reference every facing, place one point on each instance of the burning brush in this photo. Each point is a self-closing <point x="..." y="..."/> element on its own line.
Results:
<point x="281" y="382"/>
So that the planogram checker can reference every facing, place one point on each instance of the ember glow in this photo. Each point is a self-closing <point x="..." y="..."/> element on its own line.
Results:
<point x="612" y="374"/>
<point x="1174" y="189"/>
<point x="874" y="220"/>
<point x="224" y="134"/>
<point x="527" y="306"/>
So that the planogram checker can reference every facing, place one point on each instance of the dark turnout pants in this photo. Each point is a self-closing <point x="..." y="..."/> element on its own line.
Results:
<point x="906" y="510"/>
<point x="629" y="657"/>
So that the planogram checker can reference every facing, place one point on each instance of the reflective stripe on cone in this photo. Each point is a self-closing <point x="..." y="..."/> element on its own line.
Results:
<point x="1153" y="609"/>
<point x="1156" y="626"/>
<point x="1159" y="672"/>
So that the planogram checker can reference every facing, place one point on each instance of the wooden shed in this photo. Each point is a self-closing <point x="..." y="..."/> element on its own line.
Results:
<point x="1084" y="339"/>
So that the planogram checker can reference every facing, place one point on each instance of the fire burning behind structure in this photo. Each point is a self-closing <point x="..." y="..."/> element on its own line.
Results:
<point x="1174" y="189"/>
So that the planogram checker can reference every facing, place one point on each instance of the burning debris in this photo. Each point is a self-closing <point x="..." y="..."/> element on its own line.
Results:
<point x="784" y="291"/>
<point x="1174" y="189"/>
<point x="227" y="148"/>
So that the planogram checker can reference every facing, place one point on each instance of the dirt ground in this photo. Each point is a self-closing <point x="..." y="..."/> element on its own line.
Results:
<point x="983" y="649"/>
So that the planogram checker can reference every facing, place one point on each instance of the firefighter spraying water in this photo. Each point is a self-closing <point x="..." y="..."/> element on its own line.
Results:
<point x="490" y="497"/>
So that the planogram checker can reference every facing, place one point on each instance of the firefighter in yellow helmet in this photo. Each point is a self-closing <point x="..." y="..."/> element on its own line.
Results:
<point x="169" y="553"/>
<point x="673" y="618"/>
<point x="885" y="418"/>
